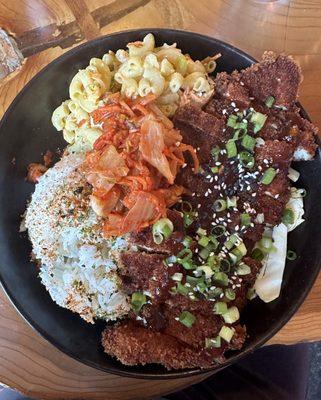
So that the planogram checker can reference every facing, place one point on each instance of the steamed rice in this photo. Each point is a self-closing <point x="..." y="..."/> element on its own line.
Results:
<point x="77" y="265"/>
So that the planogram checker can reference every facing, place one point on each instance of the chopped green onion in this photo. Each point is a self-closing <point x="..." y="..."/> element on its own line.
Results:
<point x="257" y="255"/>
<point x="243" y="269"/>
<point x="187" y="241"/>
<point x="188" y="219"/>
<point x="242" y="126"/>
<point x="302" y="192"/>
<point x="248" y="142"/>
<point x="201" y="287"/>
<point x="215" y="152"/>
<point x="207" y="271"/>
<point x="187" y="319"/>
<point x="216" y="292"/>
<point x="291" y="255"/>
<point x="231" y="202"/>
<point x="226" y="333"/>
<point x="246" y="159"/>
<point x="177" y="277"/>
<point x="214" y="170"/>
<point x="204" y="253"/>
<point x="219" y="205"/>
<point x="231" y="241"/>
<point x="221" y="278"/>
<point x="265" y="244"/>
<point x="201" y="231"/>
<point x="162" y="229"/>
<point x="288" y="216"/>
<point x="245" y="219"/>
<point x="170" y="260"/>
<point x="137" y="301"/>
<point x="229" y="294"/>
<point x="184" y="255"/>
<point x="268" y="176"/>
<point x="269" y="101"/>
<point x="213" y="261"/>
<point x="232" y="120"/>
<point x="240" y="251"/>
<point x="186" y="206"/>
<point x="188" y="264"/>
<point x="258" y="120"/>
<point x="232" y="315"/>
<point x="220" y="308"/>
<point x="210" y="342"/>
<point x="231" y="149"/>
<point x="225" y="265"/>
<point x="218" y="230"/>
<point x="182" y="289"/>
<point x="214" y="241"/>
<point x="203" y="241"/>
<point x="250" y="295"/>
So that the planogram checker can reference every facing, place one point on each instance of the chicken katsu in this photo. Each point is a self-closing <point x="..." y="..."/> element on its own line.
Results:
<point x="191" y="288"/>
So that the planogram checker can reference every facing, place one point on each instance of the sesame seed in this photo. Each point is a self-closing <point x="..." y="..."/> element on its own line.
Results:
<point x="206" y="194"/>
<point x="236" y="109"/>
<point x="233" y="104"/>
<point x="198" y="205"/>
<point x="253" y="194"/>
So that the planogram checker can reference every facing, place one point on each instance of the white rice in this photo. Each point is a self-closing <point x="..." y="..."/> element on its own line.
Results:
<point x="77" y="265"/>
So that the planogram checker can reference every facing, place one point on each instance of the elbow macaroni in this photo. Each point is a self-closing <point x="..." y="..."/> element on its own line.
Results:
<point x="141" y="70"/>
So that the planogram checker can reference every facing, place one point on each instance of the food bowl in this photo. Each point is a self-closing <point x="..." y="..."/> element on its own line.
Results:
<point x="26" y="133"/>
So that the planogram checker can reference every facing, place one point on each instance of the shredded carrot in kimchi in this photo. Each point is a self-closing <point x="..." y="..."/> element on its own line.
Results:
<point x="133" y="164"/>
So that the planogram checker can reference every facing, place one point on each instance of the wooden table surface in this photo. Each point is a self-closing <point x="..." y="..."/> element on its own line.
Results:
<point x="43" y="30"/>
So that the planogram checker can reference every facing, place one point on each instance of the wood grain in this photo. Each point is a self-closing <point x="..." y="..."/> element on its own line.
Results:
<point x="46" y="29"/>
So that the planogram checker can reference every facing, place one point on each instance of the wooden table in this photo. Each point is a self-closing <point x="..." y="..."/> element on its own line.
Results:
<point x="43" y="30"/>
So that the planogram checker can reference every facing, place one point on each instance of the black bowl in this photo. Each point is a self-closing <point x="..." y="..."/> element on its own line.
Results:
<point x="26" y="132"/>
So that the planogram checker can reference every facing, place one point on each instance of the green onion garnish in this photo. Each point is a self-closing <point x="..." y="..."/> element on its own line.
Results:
<point x="242" y="269"/>
<point x="204" y="253"/>
<point x="269" y="101"/>
<point x="220" y="278"/>
<point x="232" y="120"/>
<point x="229" y="244"/>
<point x="231" y="202"/>
<point x="268" y="176"/>
<point x="182" y="289"/>
<point x="162" y="229"/>
<point x="203" y="241"/>
<point x="231" y="149"/>
<point x="291" y="255"/>
<point x="186" y="206"/>
<point x="215" y="152"/>
<point x="218" y="230"/>
<point x="137" y="301"/>
<point x="177" y="277"/>
<point x="220" y="308"/>
<point x="210" y="342"/>
<point x="258" y="120"/>
<point x="187" y="241"/>
<point x="246" y="159"/>
<point x="257" y="255"/>
<point x="214" y="170"/>
<point x="229" y="294"/>
<point x="288" y="216"/>
<point x="216" y="292"/>
<point x="184" y="255"/>
<point x="225" y="265"/>
<point x="240" y="251"/>
<point x="248" y="142"/>
<point x="201" y="231"/>
<point x="187" y="319"/>
<point x="188" y="218"/>
<point x="219" y="205"/>
<point x="170" y="260"/>
<point x="213" y="261"/>
<point x="232" y="315"/>
<point x="226" y="333"/>
<point x="245" y="219"/>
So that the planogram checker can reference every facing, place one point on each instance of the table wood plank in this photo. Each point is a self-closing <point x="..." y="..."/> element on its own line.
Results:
<point x="45" y="30"/>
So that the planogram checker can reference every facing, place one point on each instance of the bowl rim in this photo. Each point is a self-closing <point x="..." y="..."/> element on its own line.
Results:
<point x="173" y="374"/>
